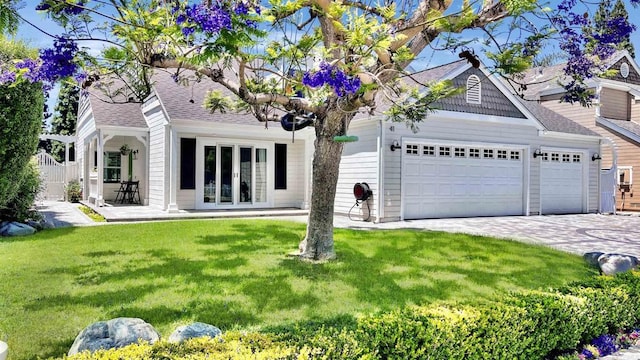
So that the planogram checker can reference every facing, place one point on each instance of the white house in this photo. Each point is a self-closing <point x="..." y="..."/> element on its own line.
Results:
<point x="184" y="157"/>
<point x="484" y="153"/>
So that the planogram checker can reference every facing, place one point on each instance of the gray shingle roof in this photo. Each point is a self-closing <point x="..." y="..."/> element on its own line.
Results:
<point x="553" y="121"/>
<point x="177" y="100"/>
<point x="630" y="126"/>
<point x="121" y="113"/>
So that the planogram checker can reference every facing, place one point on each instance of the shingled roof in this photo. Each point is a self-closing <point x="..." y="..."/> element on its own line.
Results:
<point x="185" y="102"/>
<point x="106" y="112"/>
<point x="552" y="121"/>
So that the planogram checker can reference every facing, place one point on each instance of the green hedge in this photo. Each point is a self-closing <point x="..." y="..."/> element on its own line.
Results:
<point x="526" y="325"/>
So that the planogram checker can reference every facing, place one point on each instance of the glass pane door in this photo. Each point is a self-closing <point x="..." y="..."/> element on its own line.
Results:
<point x="245" y="174"/>
<point x="226" y="174"/>
<point x="209" y="174"/>
<point x="261" y="175"/>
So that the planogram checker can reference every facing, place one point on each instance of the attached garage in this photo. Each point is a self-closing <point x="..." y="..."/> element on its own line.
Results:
<point x="446" y="179"/>
<point x="562" y="178"/>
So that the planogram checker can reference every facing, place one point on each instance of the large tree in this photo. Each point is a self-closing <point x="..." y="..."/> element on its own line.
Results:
<point x="65" y="118"/>
<point x="343" y="56"/>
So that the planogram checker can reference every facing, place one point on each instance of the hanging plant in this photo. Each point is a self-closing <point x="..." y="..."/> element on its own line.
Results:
<point x="124" y="149"/>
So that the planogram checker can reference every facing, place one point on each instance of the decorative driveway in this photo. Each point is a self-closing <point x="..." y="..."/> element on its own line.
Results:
<point x="573" y="233"/>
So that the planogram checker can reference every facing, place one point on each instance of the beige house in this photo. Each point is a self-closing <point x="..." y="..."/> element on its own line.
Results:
<point x="615" y="116"/>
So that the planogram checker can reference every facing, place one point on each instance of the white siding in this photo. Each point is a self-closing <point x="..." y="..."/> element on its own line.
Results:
<point x="293" y="196"/>
<point x="158" y="155"/>
<point x="359" y="164"/>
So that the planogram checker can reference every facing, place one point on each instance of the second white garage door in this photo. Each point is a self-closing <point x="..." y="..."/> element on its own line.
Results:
<point x="561" y="183"/>
<point x="458" y="180"/>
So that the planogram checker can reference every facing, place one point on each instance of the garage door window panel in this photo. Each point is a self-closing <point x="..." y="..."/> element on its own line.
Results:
<point x="444" y="151"/>
<point x="488" y="153"/>
<point x="474" y="153"/>
<point x="412" y="149"/>
<point x="515" y="155"/>
<point x="429" y="150"/>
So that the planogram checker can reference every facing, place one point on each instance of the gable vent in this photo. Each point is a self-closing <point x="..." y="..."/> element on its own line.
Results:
<point x="473" y="89"/>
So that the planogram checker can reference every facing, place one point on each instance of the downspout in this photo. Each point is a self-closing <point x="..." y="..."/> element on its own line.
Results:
<point x="380" y="192"/>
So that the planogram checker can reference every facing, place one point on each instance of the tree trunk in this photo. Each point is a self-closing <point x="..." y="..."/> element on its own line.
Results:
<point x="318" y="243"/>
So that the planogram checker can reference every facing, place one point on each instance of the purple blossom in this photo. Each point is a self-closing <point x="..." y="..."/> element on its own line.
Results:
<point x="31" y="69"/>
<point x="586" y="354"/>
<point x="328" y="74"/>
<point x="7" y="77"/>
<point x="58" y="62"/>
<point x="606" y="344"/>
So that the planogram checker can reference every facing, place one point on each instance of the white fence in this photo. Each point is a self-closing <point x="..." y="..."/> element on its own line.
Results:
<point x="608" y="191"/>
<point x="55" y="176"/>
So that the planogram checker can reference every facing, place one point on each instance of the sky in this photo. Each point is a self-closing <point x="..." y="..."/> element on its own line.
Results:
<point x="36" y="38"/>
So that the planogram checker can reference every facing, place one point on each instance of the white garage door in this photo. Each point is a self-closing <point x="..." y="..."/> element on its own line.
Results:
<point x="561" y="183"/>
<point x="458" y="180"/>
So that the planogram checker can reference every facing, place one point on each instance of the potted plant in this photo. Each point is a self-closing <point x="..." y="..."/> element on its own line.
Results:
<point x="125" y="150"/>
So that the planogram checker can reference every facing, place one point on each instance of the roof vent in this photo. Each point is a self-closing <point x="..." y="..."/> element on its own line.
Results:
<point x="473" y="89"/>
<point x="624" y="70"/>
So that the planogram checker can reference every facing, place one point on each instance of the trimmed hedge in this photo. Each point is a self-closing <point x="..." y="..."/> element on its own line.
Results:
<point x="525" y="325"/>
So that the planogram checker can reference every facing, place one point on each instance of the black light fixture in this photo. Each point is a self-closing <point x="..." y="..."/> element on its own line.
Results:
<point x="395" y="145"/>
<point x="595" y="157"/>
<point x="537" y="153"/>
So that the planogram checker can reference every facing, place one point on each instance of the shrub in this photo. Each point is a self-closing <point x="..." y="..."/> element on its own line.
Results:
<point x="74" y="191"/>
<point x="524" y="325"/>
<point x="20" y="207"/>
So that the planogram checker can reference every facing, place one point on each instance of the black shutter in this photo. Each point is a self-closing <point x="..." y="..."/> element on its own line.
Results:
<point x="187" y="163"/>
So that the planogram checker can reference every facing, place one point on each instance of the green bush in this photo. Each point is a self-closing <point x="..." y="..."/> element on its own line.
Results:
<point x="74" y="191"/>
<point x="20" y="207"/>
<point x="525" y="325"/>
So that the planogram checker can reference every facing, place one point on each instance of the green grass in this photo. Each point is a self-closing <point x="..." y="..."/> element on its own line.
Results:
<point x="235" y="274"/>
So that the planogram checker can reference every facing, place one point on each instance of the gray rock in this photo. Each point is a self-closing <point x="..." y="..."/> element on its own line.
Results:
<point x="113" y="334"/>
<point x="612" y="264"/>
<point x="194" y="330"/>
<point x="41" y="224"/>
<point x="12" y="228"/>
<point x="592" y="258"/>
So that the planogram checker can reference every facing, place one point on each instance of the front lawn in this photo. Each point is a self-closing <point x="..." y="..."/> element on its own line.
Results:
<point x="235" y="274"/>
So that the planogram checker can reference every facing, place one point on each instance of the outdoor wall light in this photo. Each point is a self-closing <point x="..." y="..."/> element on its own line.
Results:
<point x="135" y="154"/>
<point x="595" y="157"/>
<point x="537" y="153"/>
<point x="395" y="145"/>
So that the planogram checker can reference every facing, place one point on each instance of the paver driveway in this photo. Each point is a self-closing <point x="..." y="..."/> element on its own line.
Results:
<point x="573" y="233"/>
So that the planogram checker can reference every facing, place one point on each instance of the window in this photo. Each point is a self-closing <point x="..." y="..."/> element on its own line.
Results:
<point x="429" y="150"/>
<point x="488" y="154"/>
<point x="577" y="158"/>
<point x="474" y="153"/>
<point x="112" y="164"/>
<point x="473" y="89"/>
<point x="187" y="163"/>
<point x="502" y="154"/>
<point x="625" y="175"/>
<point x="460" y="152"/>
<point x="555" y="157"/>
<point x="566" y="158"/>
<point x="444" y="151"/>
<point x="515" y="155"/>
<point x="281" y="167"/>
<point x="545" y="156"/>
<point x="412" y="149"/>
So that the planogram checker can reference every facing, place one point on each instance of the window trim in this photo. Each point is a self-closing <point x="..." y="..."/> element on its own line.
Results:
<point x="105" y="167"/>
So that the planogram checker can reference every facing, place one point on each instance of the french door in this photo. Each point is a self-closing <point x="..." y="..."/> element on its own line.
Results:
<point x="231" y="175"/>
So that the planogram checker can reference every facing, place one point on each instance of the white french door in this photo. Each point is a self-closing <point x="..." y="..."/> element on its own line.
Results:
<point x="231" y="175"/>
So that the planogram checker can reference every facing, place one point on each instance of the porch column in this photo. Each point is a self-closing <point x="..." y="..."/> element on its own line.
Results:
<point x="172" y="207"/>
<point x="100" y="166"/>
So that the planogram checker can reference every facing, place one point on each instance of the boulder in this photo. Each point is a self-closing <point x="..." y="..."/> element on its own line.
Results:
<point x="592" y="258"/>
<point x="41" y="224"/>
<point x="612" y="264"/>
<point x="12" y="228"/>
<point x="113" y="334"/>
<point x="194" y="330"/>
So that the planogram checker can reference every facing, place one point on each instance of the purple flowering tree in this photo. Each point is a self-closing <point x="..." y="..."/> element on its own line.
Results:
<point x="325" y="59"/>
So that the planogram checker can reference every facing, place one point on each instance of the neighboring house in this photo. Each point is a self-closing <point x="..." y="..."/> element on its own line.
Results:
<point x="615" y="116"/>
<point x="484" y="153"/>
<point x="184" y="157"/>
